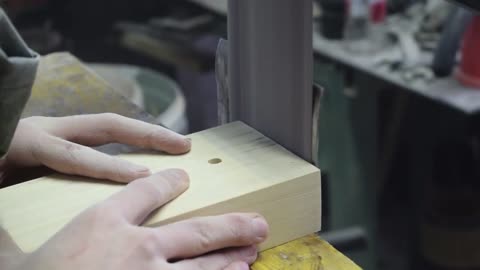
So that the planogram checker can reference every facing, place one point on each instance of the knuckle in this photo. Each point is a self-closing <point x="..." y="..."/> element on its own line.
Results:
<point x="152" y="137"/>
<point x="70" y="156"/>
<point x="149" y="245"/>
<point x="37" y="145"/>
<point x="103" y="211"/>
<point x="149" y="190"/>
<point x="40" y="122"/>
<point x="72" y="148"/>
<point x="110" y="116"/>
<point x="205" y="239"/>
<point x="239" y="227"/>
<point x="174" y="181"/>
<point x="110" y="120"/>
<point x="238" y="221"/>
<point x="102" y="216"/>
<point x="118" y="170"/>
<point x="171" y="186"/>
<point x="227" y="258"/>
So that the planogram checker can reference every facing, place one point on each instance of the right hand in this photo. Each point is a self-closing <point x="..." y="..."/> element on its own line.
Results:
<point x="108" y="236"/>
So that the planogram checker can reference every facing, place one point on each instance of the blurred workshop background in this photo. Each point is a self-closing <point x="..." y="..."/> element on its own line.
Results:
<point x="399" y="118"/>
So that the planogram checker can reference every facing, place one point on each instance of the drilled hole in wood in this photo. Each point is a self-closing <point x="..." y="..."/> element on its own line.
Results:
<point x="215" y="161"/>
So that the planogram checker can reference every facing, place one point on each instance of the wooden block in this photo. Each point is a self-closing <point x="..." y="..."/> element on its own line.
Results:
<point x="232" y="168"/>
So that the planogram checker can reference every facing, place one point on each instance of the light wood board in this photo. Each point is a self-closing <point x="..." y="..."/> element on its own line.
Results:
<point x="255" y="174"/>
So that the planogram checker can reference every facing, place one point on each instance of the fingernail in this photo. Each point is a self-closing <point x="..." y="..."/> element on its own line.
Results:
<point x="176" y="173"/>
<point x="179" y="176"/>
<point x="141" y="171"/>
<point x="260" y="228"/>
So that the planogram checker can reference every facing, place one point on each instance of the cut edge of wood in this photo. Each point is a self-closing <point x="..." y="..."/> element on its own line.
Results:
<point x="295" y="196"/>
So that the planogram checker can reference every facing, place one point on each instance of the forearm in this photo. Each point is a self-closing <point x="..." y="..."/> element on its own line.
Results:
<point x="18" y="65"/>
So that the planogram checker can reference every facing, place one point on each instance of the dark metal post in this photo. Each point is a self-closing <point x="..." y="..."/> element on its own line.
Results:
<point x="270" y="69"/>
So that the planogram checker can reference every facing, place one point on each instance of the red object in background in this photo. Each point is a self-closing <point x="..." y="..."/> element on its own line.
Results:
<point x="378" y="11"/>
<point x="469" y="71"/>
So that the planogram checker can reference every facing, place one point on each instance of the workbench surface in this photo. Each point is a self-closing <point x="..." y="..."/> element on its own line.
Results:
<point x="308" y="253"/>
<point x="64" y="86"/>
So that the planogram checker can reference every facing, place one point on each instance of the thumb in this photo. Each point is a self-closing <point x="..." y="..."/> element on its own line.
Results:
<point x="141" y="197"/>
<point x="238" y="266"/>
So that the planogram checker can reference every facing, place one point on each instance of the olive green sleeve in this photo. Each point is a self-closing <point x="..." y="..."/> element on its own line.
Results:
<point x="18" y="66"/>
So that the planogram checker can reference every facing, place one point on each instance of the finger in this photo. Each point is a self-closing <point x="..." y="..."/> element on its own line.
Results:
<point x="72" y="158"/>
<point x="139" y="198"/>
<point x="198" y="236"/>
<point x="231" y="259"/>
<point x="238" y="266"/>
<point x="99" y="129"/>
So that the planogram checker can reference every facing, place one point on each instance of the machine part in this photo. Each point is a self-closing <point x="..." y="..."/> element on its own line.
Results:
<point x="317" y="99"/>
<point x="349" y="239"/>
<point x="446" y="52"/>
<point x="221" y="72"/>
<point x="271" y="69"/>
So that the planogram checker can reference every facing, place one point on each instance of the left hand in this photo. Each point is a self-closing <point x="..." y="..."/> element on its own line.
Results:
<point x="61" y="144"/>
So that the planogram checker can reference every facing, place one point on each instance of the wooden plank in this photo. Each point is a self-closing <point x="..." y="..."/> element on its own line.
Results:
<point x="254" y="174"/>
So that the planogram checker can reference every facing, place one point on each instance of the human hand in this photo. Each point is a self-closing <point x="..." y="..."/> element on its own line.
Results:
<point x="107" y="236"/>
<point x="57" y="143"/>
